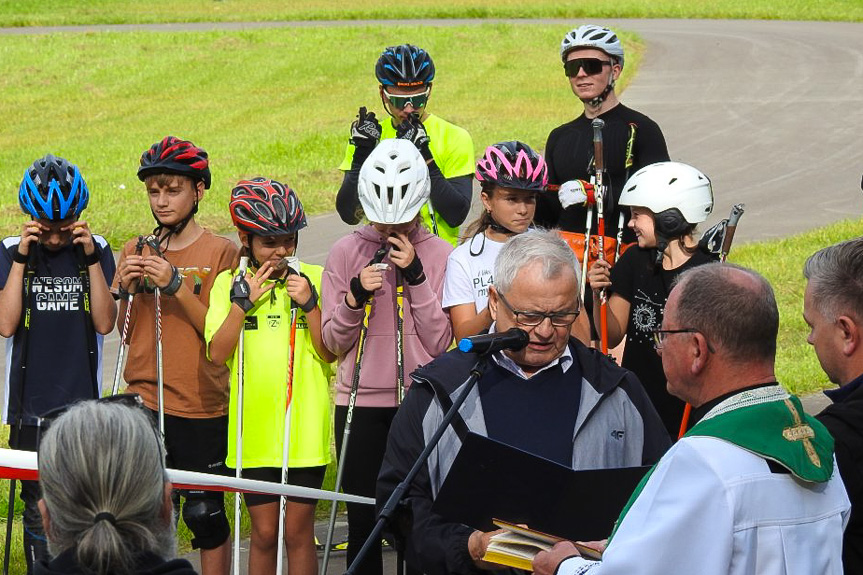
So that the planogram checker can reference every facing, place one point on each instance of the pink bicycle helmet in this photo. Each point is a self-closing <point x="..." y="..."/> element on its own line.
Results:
<point x="513" y="164"/>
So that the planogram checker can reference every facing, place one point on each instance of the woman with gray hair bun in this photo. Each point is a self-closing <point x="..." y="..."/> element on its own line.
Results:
<point x="106" y="499"/>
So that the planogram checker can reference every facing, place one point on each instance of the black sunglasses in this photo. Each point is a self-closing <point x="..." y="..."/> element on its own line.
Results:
<point x="591" y="66"/>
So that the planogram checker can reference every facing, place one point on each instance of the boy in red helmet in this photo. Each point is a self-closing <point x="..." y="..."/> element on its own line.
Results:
<point x="175" y="173"/>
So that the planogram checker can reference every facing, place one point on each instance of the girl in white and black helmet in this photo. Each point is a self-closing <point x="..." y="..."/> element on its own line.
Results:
<point x="389" y="275"/>
<point x="667" y="200"/>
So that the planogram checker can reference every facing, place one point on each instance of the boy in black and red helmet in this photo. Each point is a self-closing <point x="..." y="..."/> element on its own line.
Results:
<point x="405" y="74"/>
<point x="176" y="173"/>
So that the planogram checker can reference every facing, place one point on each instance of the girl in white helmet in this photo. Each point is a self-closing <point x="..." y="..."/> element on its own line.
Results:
<point x="666" y="200"/>
<point x="399" y="296"/>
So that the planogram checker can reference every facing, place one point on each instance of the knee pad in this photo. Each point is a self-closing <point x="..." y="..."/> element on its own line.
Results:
<point x="206" y="519"/>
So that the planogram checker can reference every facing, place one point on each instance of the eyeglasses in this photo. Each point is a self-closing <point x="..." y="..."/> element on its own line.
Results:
<point x="659" y="336"/>
<point x="591" y="66"/>
<point x="534" y="318"/>
<point x="401" y="101"/>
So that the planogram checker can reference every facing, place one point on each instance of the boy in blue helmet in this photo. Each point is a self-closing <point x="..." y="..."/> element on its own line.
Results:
<point x="405" y="74"/>
<point x="55" y="306"/>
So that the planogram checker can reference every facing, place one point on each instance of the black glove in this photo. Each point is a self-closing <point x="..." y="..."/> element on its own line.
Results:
<point x="240" y="294"/>
<point x="366" y="130"/>
<point x="414" y="131"/>
<point x="360" y="293"/>
<point x="413" y="272"/>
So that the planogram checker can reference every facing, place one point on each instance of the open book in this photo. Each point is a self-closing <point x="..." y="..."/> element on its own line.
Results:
<point x="517" y="546"/>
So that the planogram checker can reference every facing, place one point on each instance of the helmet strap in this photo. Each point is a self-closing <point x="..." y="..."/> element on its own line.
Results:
<point x="661" y="245"/>
<point x="174" y="230"/>
<point x="496" y="227"/>
<point x="598" y="100"/>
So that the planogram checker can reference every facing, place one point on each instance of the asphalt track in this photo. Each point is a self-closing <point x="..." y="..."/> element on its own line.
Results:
<point x="771" y="111"/>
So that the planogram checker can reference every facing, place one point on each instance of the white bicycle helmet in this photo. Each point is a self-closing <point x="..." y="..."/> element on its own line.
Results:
<point x="670" y="185"/>
<point x="394" y="183"/>
<point x="592" y="36"/>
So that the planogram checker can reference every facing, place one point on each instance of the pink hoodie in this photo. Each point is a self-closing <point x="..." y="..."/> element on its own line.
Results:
<point x="427" y="330"/>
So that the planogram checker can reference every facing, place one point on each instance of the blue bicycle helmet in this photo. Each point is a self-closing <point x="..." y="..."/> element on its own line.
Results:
<point x="53" y="189"/>
<point x="404" y="66"/>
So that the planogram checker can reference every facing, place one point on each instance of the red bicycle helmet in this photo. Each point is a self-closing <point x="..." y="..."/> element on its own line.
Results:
<point x="266" y="208"/>
<point x="175" y="156"/>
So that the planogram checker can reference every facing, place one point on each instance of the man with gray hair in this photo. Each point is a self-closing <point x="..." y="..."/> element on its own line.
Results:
<point x="554" y="398"/>
<point x="751" y="488"/>
<point x="833" y="309"/>
<point x="106" y="499"/>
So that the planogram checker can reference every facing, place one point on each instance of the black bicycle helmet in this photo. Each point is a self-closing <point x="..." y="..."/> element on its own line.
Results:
<point x="404" y="66"/>
<point x="175" y="156"/>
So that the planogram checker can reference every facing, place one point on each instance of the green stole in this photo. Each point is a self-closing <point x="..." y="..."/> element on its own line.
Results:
<point x="771" y="423"/>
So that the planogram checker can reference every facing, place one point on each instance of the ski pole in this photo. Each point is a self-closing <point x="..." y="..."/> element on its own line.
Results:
<point x="89" y="330"/>
<point x="286" y="438"/>
<point x="400" y="339"/>
<point x="139" y="248"/>
<point x="432" y="217"/>
<point x="153" y="243"/>
<point x="241" y="275"/>
<point x="627" y="164"/>
<point x="727" y="237"/>
<point x="599" y="166"/>
<point x="29" y="275"/>
<point x="586" y="251"/>
<point x="352" y="399"/>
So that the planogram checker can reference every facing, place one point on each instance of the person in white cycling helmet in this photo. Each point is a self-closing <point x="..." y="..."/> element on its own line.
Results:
<point x="593" y="59"/>
<point x="387" y="275"/>
<point x="667" y="200"/>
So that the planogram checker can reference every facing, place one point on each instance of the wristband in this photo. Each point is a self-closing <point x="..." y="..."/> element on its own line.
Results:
<point x="18" y="257"/>
<point x="175" y="283"/>
<point x="94" y="257"/>
<point x="413" y="272"/>
<point x="122" y="293"/>
<point x="313" y="301"/>
<point x="360" y="293"/>
<point x="245" y="303"/>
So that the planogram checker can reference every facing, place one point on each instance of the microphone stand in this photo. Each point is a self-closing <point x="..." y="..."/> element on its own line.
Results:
<point x="401" y="490"/>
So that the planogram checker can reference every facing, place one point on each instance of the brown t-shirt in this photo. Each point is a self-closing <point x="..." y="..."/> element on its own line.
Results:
<point x="194" y="386"/>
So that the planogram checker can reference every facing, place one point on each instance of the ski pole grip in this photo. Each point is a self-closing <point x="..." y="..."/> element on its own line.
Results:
<point x="598" y="162"/>
<point x="730" y="228"/>
<point x="241" y="270"/>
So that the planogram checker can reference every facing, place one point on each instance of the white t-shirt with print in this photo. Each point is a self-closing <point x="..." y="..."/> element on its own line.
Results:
<point x="469" y="276"/>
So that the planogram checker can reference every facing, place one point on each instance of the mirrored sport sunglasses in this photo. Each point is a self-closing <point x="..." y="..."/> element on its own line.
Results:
<point x="591" y="66"/>
<point x="400" y="101"/>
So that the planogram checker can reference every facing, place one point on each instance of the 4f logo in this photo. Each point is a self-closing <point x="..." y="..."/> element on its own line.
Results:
<point x="617" y="434"/>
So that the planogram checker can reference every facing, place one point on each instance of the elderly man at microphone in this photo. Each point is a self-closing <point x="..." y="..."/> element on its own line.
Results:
<point x="542" y="391"/>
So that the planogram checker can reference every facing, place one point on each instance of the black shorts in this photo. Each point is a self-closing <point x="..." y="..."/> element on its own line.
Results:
<point x="312" y="477"/>
<point x="197" y="445"/>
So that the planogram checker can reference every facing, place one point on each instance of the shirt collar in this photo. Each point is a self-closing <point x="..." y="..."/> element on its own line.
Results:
<point x="841" y="393"/>
<point x="565" y="360"/>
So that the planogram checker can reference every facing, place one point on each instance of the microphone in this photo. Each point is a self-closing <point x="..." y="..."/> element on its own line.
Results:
<point x="513" y="339"/>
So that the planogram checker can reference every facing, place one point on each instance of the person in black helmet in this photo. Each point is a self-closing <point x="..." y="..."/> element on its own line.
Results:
<point x="593" y="59"/>
<point x="176" y="173"/>
<point x="48" y="276"/>
<point x="405" y="74"/>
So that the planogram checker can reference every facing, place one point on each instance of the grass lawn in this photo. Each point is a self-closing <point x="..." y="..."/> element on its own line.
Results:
<point x="273" y="103"/>
<point x="60" y="12"/>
